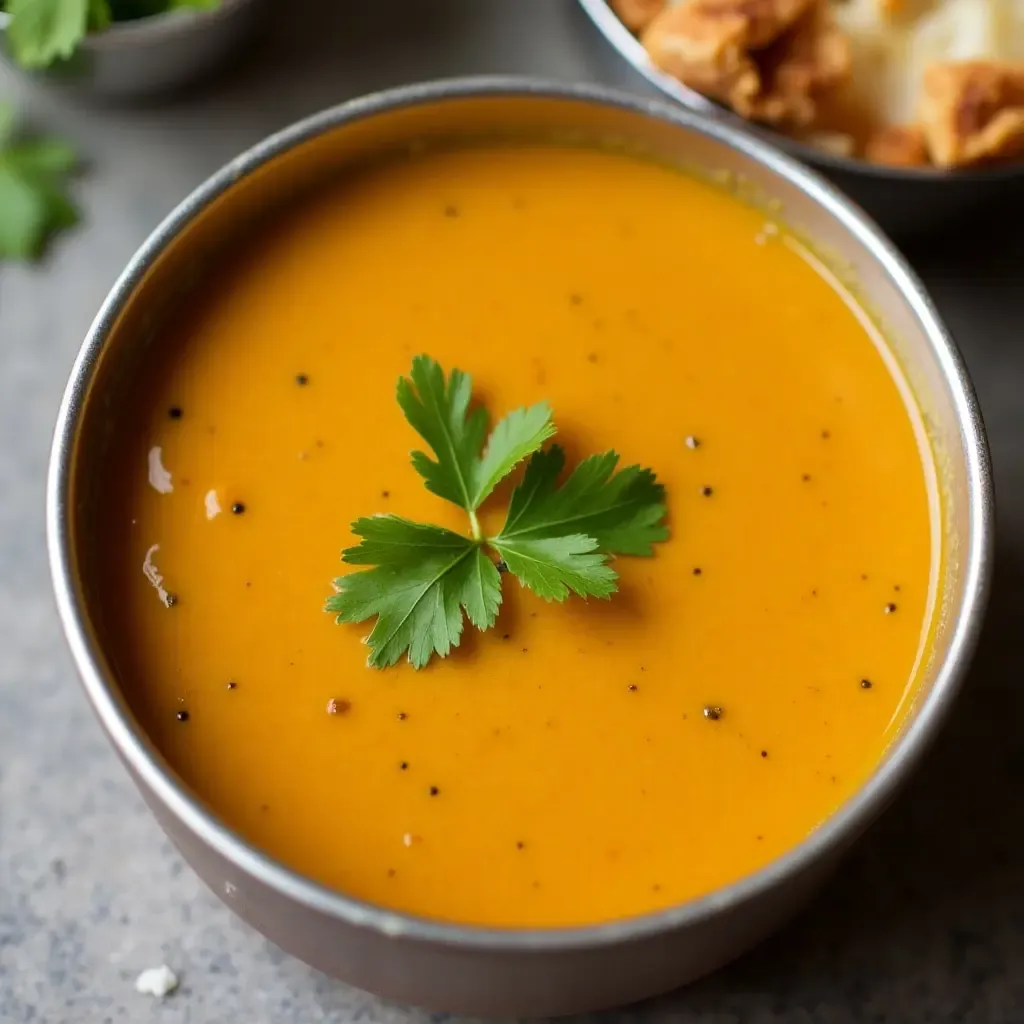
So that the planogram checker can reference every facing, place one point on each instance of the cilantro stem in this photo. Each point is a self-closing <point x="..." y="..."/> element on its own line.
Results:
<point x="474" y="525"/>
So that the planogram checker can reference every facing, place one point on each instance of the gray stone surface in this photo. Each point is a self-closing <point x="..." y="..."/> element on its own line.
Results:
<point x="925" y="922"/>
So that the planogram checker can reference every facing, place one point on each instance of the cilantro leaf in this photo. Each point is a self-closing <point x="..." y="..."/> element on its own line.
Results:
<point x="42" y="31"/>
<point x="553" y="566"/>
<point x="32" y="200"/>
<point x="438" y="409"/>
<point x="424" y="577"/>
<point x="623" y="512"/>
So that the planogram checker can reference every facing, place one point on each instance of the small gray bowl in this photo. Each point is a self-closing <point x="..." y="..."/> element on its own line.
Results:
<point x="144" y="58"/>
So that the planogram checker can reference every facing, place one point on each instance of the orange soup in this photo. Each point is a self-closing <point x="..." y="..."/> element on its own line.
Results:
<point x="583" y="761"/>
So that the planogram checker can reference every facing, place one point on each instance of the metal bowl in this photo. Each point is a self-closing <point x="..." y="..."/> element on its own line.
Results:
<point x="449" y="966"/>
<point x="907" y="202"/>
<point x="137" y="60"/>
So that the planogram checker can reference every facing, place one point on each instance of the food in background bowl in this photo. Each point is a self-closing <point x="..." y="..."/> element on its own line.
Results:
<point x="582" y="761"/>
<point x="917" y="83"/>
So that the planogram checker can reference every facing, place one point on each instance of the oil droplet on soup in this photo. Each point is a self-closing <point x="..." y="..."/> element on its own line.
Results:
<point x="580" y="762"/>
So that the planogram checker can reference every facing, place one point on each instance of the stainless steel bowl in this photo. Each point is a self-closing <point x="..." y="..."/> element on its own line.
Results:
<point x="448" y="966"/>
<point x="137" y="60"/>
<point x="907" y="202"/>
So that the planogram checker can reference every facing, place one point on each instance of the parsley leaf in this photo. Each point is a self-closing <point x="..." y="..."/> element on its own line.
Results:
<point x="556" y="539"/>
<point x="623" y="512"/>
<point x="438" y="410"/>
<point x="43" y="31"/>
<point x="32" y="201"/>
<point x="425" y="576"/>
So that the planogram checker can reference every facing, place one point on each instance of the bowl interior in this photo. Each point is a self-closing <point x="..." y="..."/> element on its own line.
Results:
<point x="860" y="262"/>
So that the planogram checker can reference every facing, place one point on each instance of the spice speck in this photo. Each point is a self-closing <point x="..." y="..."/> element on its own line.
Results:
<point x="692" y="442"/>
<point x="338" y="707"/>
<point x="238" y="508"/>
<point x="301" y="379"/>
<point x="866" y="684"/>
<point x="175" y="412"/>
<point x="706" y="491"/>
<point x="697" y="570"/>
<point x="712" y="712"/>
<point x="632" y="687"/>
<point x="182" y="716"/>
<point x="402" y="716"/>
<point x="170" y="600"/>
<point x="404" y="766"/>
<point x="232" y="685"/>
<point x="434" y="791"/>
<point x="890" y="608"/>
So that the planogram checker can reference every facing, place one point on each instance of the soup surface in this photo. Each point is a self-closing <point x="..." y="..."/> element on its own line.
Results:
<point x="560" y="769"/>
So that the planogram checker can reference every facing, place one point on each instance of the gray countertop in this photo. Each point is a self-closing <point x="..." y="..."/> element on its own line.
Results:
<point x="925" y="921"/>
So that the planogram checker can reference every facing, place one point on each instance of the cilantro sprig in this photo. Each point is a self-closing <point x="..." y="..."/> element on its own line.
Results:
<point x="423" y="581"/>
<point x="33" y="203"/>
<point x="42" y="32"/>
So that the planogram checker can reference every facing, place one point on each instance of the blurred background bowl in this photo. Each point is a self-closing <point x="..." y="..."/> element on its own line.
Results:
<point x="144" y="58"/>
<point x="906" y="202"/>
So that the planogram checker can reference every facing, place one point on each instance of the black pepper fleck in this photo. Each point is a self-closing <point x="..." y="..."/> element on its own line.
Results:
<point x="890" y="608"/>
<point x="866" y="684"/>
<point x="182" y="716"/>
<point x="434" y="791"/>
<point x="175" y="412"/>
<point x="712" y="712"/>
<point x="238" y="508"/>
<point x="501" y="566"/>
<point x="896" y="587"/>
<point x="632" y="687"/>
<point x="692" y="442"/>
<point x="764" y="753"/>
<point x="506" y="636"/>
<point x="232" y="685"/>
<point x="697" y="570"/>
<point x="385" y="494"/>
<point x="706" y="491"/>
<point x="404" y="765"/>
<point x="402" y="716"/>
<point x="301" y="379"/>
<point x="520" y="845"/>
<point x="171" y="600"/>
<point x="806" y="478"/>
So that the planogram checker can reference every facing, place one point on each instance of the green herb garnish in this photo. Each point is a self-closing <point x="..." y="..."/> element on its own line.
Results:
<point x="557" y="539"/>
<point x="44" y="31"/>
<point x="33" y="203"/>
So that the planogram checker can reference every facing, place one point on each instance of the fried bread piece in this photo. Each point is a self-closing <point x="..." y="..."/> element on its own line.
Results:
<point x="973" y="111"/>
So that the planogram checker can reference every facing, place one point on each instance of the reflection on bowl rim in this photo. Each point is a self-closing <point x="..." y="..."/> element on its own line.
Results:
<point x="632" y="51"/>
<point x="844" y="824"/>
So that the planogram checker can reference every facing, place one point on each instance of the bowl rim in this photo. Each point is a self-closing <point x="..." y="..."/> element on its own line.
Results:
<point x="151" y="28"/>
<point x="631" y="50"/>
<point x="150" y="768"/>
